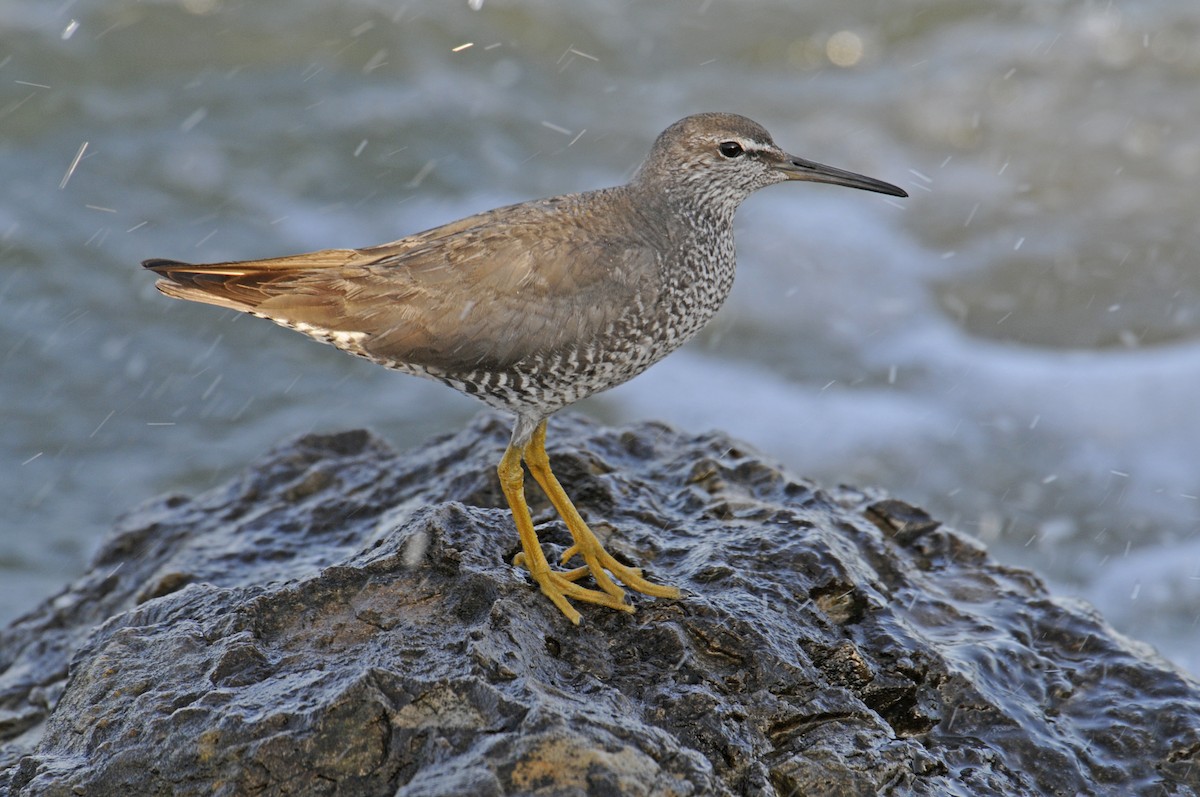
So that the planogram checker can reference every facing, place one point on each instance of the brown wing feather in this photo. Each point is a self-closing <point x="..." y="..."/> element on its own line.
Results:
<point x="485" y="291"/>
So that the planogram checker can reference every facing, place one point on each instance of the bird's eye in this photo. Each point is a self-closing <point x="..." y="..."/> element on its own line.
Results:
<point x="730" y="149"/>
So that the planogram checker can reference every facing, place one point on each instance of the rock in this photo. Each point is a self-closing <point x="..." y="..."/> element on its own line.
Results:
<point x="343" y="619"/>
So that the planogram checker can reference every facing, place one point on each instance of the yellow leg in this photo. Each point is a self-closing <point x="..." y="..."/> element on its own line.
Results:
<point x="556" y="586"/>
<point x="586" y="545"/>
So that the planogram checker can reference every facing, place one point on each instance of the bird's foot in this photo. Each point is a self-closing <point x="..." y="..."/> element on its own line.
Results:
<point x="599" y="560"/>
<point x="559" y="586"/>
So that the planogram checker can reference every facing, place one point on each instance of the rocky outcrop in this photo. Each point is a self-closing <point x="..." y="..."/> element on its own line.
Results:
<point x="343" y="619"/>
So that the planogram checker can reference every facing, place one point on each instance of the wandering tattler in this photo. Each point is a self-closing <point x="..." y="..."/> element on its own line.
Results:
<point x="534" y="306"/>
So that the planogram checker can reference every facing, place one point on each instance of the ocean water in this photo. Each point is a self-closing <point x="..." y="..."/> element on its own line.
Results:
<point x="1016" y="347"/>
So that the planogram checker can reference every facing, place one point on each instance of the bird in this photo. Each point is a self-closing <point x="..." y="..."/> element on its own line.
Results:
<point x="533" y="306"/>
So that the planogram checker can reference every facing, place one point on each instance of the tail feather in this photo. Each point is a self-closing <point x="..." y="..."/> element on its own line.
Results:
<point x="216" y="284"/>
<point x="240" y="285"/>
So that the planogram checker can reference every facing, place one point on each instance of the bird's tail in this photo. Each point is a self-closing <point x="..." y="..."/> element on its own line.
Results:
<point x="222" y="284"/>
<point x="240" y="285"/>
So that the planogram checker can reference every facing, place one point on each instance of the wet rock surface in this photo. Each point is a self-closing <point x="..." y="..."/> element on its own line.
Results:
<point x="343" y="619"/>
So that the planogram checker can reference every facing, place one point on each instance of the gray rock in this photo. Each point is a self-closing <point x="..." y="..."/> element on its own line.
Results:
<point x="343" y="619"/>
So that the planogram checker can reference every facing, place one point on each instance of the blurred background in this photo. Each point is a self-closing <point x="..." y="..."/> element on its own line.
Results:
<point x="1016" y="347"/>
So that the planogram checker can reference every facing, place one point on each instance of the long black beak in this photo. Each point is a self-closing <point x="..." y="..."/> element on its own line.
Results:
<point x="799" y="169"/>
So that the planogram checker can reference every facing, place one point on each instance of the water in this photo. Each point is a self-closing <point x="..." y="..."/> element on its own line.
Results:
<point x="1015" y="347"/>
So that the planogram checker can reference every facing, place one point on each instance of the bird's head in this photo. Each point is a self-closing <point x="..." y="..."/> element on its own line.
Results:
<point x="723" y="158"/>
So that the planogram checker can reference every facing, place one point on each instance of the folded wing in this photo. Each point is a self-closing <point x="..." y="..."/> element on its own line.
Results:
<point x="486" y="291"/>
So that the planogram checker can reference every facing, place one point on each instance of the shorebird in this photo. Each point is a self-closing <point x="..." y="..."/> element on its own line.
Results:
<point x="531" y="307"/>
